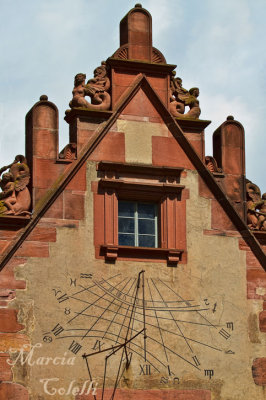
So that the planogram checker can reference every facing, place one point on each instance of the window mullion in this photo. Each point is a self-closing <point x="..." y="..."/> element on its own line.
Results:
<point x="136" y="226"/>
<point x="156" y="226"/>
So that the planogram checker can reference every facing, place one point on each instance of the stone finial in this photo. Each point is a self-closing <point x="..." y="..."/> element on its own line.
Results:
<point x="43" y="97"/>
<point x="136" y="34"/>
<point x="15" y="196"/>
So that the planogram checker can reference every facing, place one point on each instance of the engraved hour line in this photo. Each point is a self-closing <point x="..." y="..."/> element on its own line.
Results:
<point x="190" y="348"/>
<point x="125" y="316"/>
<point x="99" y="297"/>
<point x="158" y="324"/>
<point x="183" y="299"/>
<point x="116" y="313"/>
<point x="105" y="310"/>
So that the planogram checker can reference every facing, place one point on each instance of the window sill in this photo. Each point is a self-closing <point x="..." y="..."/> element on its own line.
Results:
<point x="113" y="252"/>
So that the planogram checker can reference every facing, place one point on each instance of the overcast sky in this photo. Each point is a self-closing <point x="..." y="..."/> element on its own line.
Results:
<point x="218" y="46"/>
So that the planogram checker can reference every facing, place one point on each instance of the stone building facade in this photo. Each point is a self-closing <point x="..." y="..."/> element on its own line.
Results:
<point x="132" y="264"/>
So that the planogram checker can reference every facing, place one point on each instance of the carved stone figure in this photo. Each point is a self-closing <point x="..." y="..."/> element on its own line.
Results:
<point x="96" y="88"/>
<point x="15" y="197"/>
<point x="256" y="207"/>
<point x="180" y="97"/>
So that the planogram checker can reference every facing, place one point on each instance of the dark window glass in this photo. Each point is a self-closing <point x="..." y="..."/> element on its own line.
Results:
<point x="137" y="224"/>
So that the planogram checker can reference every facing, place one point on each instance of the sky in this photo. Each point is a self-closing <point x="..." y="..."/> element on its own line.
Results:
<point x="218" y="46"/>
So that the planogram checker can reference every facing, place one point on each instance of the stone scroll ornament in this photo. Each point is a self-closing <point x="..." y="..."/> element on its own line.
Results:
<point x="256" y="207"/>
<point x="96" y="88"/>
<point x="180" y="98"/>
<point x="15" y="197"/>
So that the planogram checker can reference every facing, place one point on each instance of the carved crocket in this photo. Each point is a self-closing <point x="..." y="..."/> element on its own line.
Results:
<point x="256" y="207"/>
<point x="96" y="88"/>
<point x="180" y="97"/>
<point x="15" y="197"/>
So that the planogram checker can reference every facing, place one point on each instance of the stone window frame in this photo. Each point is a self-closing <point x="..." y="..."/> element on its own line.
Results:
<point x="135" y="182"/>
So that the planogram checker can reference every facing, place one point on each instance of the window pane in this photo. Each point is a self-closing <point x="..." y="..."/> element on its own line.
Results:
<point x="126" y="240"/>
<point x="146" y="241"/>
<point x="146" y="210"/>
<point x="126" y="225"/>
<point x="146" y="226"/>
<point x="126" y="208"/>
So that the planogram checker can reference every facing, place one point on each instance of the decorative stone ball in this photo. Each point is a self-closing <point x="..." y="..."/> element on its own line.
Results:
<point x="43" y="97"/>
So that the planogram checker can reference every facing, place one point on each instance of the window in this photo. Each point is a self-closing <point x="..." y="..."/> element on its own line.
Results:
<point x="137" y="224"/>
<point x="139" y="213"/>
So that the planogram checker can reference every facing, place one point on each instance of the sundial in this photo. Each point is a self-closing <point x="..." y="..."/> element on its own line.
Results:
<point x="128" y="328"/>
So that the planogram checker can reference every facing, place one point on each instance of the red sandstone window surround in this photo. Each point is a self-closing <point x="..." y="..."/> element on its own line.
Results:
<point x="146" y="184"/>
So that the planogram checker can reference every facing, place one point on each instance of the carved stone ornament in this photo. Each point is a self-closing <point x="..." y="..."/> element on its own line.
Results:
<point x="180" y="98"/>
<point x="96" y="88"/>
<point x="256" y="207"/>
<point x="15" y="196"/>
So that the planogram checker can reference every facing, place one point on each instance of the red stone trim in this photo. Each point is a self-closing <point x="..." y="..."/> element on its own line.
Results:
<point x="84" y="112"/>
<point x="259" y="371"/>
<point x="262" y="318"/>
<point x="192" y="125"/>
<point x="111" y="253"/>
<point x="162" y="69"/>
<point x="158" y="188"/>
<point x="139" y="169"/>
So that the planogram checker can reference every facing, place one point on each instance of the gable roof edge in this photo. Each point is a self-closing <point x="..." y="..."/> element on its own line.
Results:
<point x="58" y="187"/>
